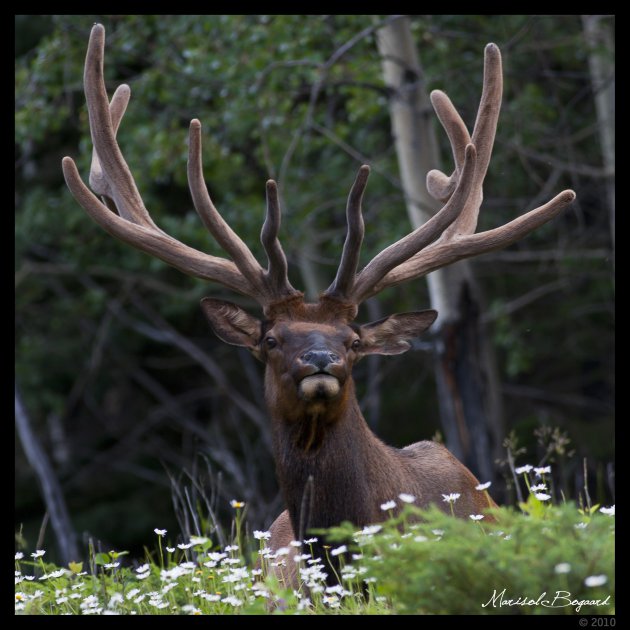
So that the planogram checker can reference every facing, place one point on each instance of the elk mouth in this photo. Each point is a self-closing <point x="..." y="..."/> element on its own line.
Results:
<point x="319" y="386"/>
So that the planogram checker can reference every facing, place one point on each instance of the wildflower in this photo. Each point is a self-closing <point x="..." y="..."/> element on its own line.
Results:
<point x="91" y="601"/>
<point x="295" y="543"/>
<point x="304" y="603"/>
<point x="406" y="498"/>
<point x="523" y="469"/>
<point x="542" y="470"/>
<point x="420" y="538"/>
<point x="475" y="517"/>
<point x="541" y="496"/>
<point x="170" y="549"/>
<point x="581" y="525"/>
<point x="357" y="556"/>
<point x="538" y="487"/>
<point x="234" y="601"/>
<point x="20" y="597"/>
<point x="609" y="511"/>
<point x="19" y="555"/>
<point x="451" y="498"/>
<point x="369" y="530"/>
<point x="38" y="553"/>
<point x="112" y="565"/>
<point x="184" y="545"/>
<point x="390" y="505"/>
<point x="310" y="541"/>
<point x="198" y="540"/>
<point x="160" y="532"/>
<point x="595" y="580"/>
<point x="563" y="567"/>
<point x="437" y="532"/>
<point x="231" y="548"/>
<point x="58" y="573"/>
<point x="132" y="593"/>
<point x="301" y="556"/>
<point x="336" y="552"/>
<point x="115" y="599"/>
<point x="237" y="504"/>
<point x="483" y="486"/>
<point x="258" y="535"/>
<point x="215" y="557"/>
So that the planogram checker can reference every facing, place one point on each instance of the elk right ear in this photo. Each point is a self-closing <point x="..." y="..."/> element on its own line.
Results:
<point x="232" y="324"/>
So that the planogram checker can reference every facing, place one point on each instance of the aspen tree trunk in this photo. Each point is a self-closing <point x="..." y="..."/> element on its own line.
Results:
<point x="469" y="399"/>
<point x="601" y="64"/>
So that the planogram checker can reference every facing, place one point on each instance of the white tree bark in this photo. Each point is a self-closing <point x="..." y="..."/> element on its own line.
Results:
<point x="601" y="62"/>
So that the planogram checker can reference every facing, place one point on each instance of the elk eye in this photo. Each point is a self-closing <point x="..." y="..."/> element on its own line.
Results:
<point x="356" y="344"/>
<point x="270" y="342"/>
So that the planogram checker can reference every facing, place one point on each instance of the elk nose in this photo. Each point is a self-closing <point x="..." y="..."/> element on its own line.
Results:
<point x="319" y="358"/>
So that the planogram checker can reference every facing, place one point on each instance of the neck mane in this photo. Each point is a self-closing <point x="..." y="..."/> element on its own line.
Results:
<point x="326" y="457"/>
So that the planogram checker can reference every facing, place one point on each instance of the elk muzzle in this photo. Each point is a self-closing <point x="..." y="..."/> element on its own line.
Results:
<point x="322" y="372"/>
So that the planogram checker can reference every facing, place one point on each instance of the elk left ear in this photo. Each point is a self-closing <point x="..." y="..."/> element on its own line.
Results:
<point x="390" y="335"/>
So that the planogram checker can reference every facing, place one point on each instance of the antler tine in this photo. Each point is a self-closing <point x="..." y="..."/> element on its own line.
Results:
<point x="120" y="184"/>
<point x="438" y="185"/>
<point x="277" y="274"/>
<point x="408" y="246"/>
<point x="99" y="183"/>
<point x="155" y="242"/>
<point x="343" y="283"/>
<point x="445" y="252"/>
<point x="214" y="222"/>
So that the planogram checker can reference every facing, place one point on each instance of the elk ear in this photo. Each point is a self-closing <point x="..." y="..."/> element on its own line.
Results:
<point x="390" y="335"/>
<point x="232" y="324"/>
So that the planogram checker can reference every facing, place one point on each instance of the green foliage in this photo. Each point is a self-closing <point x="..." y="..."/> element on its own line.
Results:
<point x="549" y="560"/>
<point x="452" y="566"/>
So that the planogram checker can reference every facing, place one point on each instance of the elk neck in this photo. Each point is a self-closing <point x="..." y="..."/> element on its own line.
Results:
<point x="327" y="459"/>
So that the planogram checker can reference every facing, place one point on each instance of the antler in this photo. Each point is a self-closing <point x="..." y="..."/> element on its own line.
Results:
<point x="449" y="235"/>
<point x="122" y="212"/>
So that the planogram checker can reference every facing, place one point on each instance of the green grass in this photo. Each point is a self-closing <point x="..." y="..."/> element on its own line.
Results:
<point x="542" y="559"/>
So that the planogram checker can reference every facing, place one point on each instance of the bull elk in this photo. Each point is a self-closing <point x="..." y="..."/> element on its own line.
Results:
<point x="322" y="445"/>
